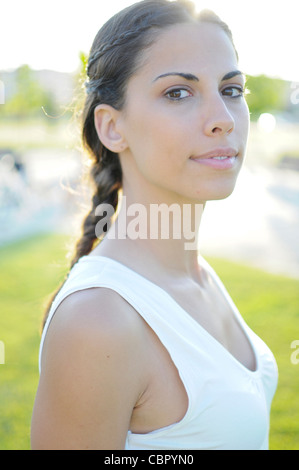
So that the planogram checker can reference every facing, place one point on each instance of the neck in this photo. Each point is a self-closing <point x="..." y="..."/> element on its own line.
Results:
<point x="160" y="236"/>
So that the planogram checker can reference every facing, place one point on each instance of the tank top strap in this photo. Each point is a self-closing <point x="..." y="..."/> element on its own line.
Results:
<point x="166" y="318"/>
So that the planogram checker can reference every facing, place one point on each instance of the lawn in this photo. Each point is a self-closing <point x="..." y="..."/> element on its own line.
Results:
<point x="31" y="269"/>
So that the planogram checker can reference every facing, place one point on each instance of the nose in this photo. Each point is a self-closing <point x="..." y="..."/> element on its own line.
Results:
<point x="219" y="120"/>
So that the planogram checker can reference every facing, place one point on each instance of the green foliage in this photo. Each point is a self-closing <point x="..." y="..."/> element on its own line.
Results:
<point x="267" y="95"/>
<point x="29" y="97"/>
<point x="83" y="60"/>
<point x="80" y="78"/>
<point x="30" y="270"/>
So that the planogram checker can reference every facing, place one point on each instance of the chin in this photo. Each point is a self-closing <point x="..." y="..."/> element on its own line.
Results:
<point x="216" y="194"/>
<point x="224" y="195"/>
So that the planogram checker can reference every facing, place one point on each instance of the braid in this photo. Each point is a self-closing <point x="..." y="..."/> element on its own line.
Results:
<point x="107" y="177"/>
<point x="114" y="58"/>
<point x="108" y="181"/>
<point x="119" y="41"/>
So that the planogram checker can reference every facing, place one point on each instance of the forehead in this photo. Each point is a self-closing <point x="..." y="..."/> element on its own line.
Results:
<point x="195" y="47"/>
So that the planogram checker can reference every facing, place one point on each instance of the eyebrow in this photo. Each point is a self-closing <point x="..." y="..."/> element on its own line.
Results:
<point x="187" y="76"/>
<point x="191" y="77"/>
<point x="232" y="74"/>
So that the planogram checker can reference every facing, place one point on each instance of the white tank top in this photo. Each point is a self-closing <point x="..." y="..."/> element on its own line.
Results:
<point x="229" y="405"/>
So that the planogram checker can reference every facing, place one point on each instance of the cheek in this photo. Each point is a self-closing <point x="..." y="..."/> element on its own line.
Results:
<point x="157" y="140"/>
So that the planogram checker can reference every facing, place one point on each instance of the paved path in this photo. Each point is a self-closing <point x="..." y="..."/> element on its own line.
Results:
<point x="258" y="223"/>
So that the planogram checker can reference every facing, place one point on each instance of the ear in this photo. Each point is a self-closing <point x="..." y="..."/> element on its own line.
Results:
<point x="107" y="123"/>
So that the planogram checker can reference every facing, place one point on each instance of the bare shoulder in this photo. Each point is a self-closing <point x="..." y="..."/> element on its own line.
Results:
<point x="92" y="372"/>
<point x="98" y="315"/>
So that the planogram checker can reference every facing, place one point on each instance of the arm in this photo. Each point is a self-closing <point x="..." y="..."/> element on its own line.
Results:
<point x="92" y="374"/>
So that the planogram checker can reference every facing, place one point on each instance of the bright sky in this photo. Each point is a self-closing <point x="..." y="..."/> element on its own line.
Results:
<point x="50" y="34"/>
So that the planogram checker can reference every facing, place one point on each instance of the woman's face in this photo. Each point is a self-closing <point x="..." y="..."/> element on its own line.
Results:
<point x="185" y="119"/>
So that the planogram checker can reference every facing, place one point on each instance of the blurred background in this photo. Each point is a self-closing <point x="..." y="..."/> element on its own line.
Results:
<point x="43" y="51"/>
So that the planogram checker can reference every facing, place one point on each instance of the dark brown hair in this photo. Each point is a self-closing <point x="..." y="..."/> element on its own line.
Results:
<point x="114" y="57"/>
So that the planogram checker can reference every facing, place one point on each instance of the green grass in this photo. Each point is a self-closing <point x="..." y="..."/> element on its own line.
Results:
<point x="31" y="269"/>
<point x="29" y="272"/>
<point x="270" y="305"/>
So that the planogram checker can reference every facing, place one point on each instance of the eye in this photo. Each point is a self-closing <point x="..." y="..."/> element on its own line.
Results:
<point x="233" y="91"/>
<point x="177" y="94"/>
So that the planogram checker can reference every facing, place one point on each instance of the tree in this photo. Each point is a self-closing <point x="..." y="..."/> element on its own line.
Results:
<point x="267" y="95"/>
<point x="29" y="97"/>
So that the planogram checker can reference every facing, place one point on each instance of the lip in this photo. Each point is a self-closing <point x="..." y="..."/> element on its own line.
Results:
<point x="210" y="158"/>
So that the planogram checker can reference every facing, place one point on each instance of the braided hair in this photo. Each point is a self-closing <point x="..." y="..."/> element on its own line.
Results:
<point x="115" y="56"/>
<point x="112" y="61"/>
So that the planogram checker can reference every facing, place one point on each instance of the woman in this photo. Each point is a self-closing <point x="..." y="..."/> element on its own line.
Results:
<point x="146" y="349"/>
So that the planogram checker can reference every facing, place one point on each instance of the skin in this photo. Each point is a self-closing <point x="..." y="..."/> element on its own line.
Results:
<point x="161" y="140"/>
<point x="104" y="370"/>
